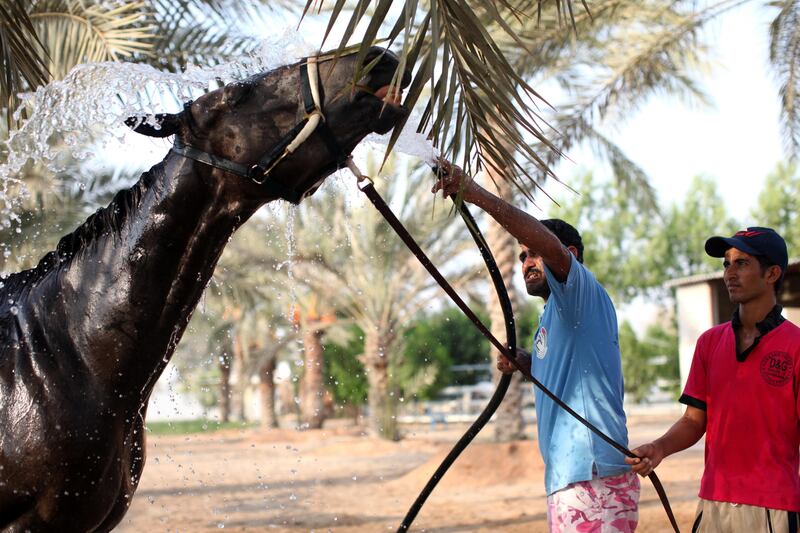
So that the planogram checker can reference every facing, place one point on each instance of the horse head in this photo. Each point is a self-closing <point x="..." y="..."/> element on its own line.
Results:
<point x="247" y="124"/>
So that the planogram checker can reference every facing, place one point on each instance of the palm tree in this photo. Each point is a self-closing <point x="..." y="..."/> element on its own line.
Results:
<point x="509" y="424"/>
<point x="220" y="343"/>
<point x="243" y="317"/>
<point x="266" y="389"/>
<point x="348" y="255"/>
<point x="314" y="319"/>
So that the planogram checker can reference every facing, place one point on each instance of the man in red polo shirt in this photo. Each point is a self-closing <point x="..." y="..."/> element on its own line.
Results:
<point x="742" y="392"/>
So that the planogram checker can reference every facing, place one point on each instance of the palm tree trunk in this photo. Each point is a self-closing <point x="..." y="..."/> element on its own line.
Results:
<point x="225" y="387"/>
<point x="508" y="419"/>
<point x="267" y="389"/>
<point x="312" y="392"/>
<point x="382" y="420"/>
<point x="238" y="381"/>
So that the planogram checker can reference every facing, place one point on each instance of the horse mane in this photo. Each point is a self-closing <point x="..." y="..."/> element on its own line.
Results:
<point x="107" y="219"/>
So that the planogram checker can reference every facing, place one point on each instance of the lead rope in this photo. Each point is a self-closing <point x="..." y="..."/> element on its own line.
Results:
<point x="367" y="187"/>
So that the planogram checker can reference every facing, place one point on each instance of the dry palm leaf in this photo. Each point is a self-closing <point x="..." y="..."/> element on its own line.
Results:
<point x="76" y="32"/>
<point x="472" y="84"/>
<point x="23" y="56"/>
<point x="784" y="54"/>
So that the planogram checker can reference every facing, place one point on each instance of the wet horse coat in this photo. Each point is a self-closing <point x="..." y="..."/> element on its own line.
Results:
<point x="86" y="333"/>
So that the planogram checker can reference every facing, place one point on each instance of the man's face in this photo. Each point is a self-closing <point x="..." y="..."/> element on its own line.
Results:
<point x="744" y="277"/>
<point x="533" y="272"/>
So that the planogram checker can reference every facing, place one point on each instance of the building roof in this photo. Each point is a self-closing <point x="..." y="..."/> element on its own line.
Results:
<point x="794" y="266"/>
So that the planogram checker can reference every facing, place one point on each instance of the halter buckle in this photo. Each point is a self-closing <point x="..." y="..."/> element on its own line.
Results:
<point x="259" y="174"/>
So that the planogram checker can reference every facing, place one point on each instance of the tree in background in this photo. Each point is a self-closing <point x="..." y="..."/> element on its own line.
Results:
<point x="677" y="248"/>
<point x="778" y="203"/>
<point x="650" y="362"/>
<point x="348" y="253"/>
<point x="631" y="249"/>
<point x="505" y="249"/>
<point x="241" y="327"/>
<point x="661" y="339"/>
<point x="639" y="372"/>
<point x="315" y="320"/>
<point x="220" y="343"/>
<point x="433" y="345"/>
<point x="615" y="229"/>
<point x="345" y="376"/>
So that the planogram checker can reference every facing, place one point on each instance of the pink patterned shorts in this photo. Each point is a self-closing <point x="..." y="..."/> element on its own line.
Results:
<point x="602" y="505"/>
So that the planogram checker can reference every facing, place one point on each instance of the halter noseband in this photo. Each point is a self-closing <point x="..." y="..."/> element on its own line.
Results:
<point x="259" y="172"/>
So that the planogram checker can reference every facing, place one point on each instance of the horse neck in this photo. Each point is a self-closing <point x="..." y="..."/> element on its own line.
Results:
<point x="124" y="298"/>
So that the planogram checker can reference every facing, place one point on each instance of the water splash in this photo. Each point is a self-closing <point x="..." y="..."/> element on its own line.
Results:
<point x="74" y="118"/>
<point x="410" y="142"/>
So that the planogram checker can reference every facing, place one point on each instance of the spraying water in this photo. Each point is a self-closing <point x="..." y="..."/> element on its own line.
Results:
<point x="74" y="118"/>
<point x="410" y="142"/>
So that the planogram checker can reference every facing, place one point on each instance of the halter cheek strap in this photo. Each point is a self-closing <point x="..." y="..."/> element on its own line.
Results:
<point x="260" y="172"/>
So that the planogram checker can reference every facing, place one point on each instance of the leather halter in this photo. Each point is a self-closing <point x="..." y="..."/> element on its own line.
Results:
<point x="260" y="171"/>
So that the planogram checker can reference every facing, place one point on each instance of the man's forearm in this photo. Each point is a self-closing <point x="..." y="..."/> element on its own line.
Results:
<point x="525" y="228"/>
<point x="683" y="434"/>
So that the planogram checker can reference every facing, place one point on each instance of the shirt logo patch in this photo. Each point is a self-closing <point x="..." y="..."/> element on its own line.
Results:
<point x="541" y="343"/>
<point x="776" y="368"/>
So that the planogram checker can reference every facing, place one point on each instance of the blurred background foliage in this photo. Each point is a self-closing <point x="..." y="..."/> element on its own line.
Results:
<point x="330" y="273"/>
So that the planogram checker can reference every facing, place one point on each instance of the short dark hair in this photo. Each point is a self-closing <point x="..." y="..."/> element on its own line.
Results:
<point x="566" y="233"/>
<point x="765" y="263"/>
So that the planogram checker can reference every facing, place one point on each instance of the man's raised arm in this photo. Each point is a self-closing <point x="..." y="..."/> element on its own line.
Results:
<point x="527" y="229"/>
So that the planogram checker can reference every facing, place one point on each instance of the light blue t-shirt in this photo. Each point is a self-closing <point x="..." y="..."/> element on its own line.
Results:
<point x="576" y="355"/>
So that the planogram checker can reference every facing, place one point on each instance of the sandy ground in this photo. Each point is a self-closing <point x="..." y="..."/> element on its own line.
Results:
<point x="339" y="480"/>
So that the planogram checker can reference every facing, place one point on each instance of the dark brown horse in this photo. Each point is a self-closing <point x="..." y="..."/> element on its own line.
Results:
<point x="87" y="332"/>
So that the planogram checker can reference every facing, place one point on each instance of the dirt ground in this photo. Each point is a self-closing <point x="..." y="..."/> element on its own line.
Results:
<point x="339" y="480"/>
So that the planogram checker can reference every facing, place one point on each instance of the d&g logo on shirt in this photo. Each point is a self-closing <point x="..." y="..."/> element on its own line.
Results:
<point x="541" y="343"/>
<point x="776" y="368"/>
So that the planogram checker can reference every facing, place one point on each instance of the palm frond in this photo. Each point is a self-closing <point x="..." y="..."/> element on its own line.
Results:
<point x="472" y="83"/>
<point x="207" y="32"/>
<point x="549" y="47"/>
<point x="240" y="11"/>
<point x="22" y="56"/>
<point x="76" y="32"/>
<point x="785" y="58"/>
<point x="645" y="57"/>
<point x="629" y="177"/>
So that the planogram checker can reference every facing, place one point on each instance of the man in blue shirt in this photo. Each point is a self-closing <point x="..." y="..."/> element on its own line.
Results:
<point x="576" y="348"/>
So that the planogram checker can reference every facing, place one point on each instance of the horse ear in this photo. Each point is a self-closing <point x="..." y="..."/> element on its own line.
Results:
<point x="168" y="124"/>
